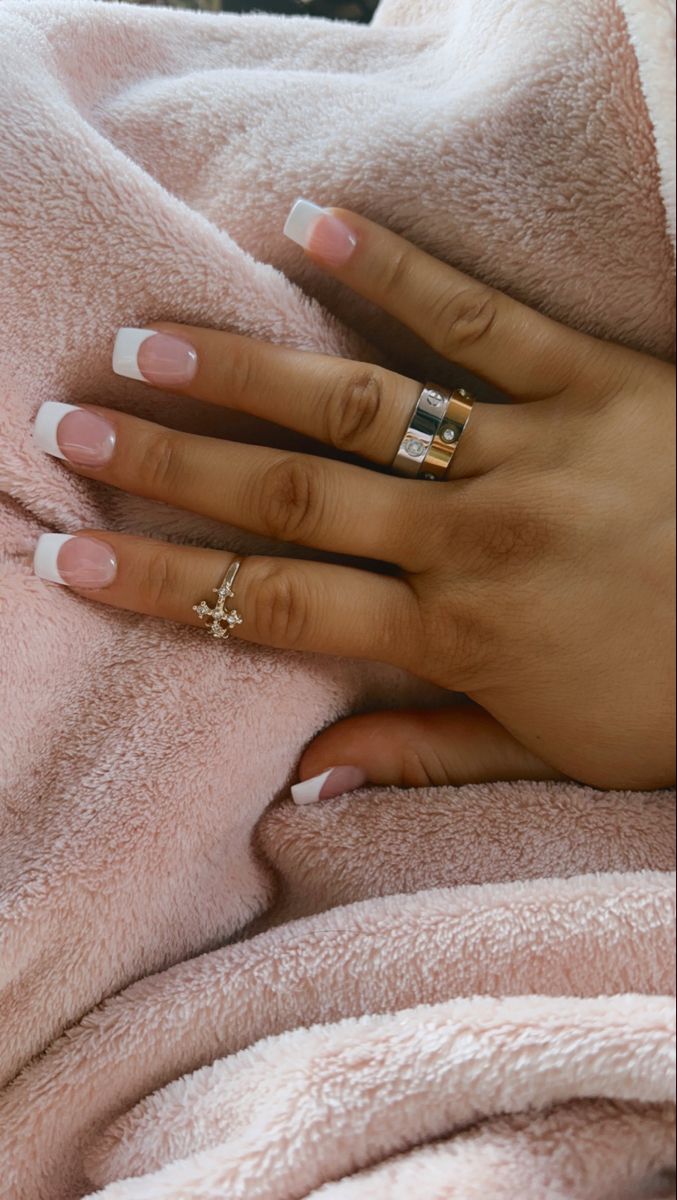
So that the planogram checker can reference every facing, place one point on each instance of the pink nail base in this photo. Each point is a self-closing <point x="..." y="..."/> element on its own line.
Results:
<point x="86" y="439"/>
<point x="87" y="563"/>
<point x="342" y="780"/>
<point x="331" y="241"/>
<point x="167" y="361"/>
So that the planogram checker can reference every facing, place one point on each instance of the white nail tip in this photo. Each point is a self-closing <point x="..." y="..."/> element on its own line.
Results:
<point x="300" y="221"/>
<point x="308" y="792"/>
<point x="46" y="424"/>
<point x="46" y="554"/>
<point x="126" y="349"/>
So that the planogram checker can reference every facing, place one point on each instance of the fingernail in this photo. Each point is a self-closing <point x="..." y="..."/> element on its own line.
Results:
<point x="74" y="434"/>
<point x="81" y="562"/>
<point x="320" y="232"/>
<point x="154" y="357"/>
<point x="334" y="782"/>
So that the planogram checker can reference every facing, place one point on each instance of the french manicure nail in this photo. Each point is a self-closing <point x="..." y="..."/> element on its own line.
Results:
<point x="81" y="562"/>
<point x="74" y="434"/>
<point x="153" y="357"/>
<point x="320" y="232"/>
<point x="334" y="782"/>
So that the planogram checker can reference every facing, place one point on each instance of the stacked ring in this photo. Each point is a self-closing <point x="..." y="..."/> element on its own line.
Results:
<point x="445" y="442"/>
<point x="433" y="433"/>
<point x="425" y="422"/>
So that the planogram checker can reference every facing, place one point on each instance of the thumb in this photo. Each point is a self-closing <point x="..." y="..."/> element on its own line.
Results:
<point x="414" y="749"/>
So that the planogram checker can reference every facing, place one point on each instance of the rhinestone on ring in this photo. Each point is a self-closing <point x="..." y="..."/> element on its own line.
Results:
<point x="434" y="431"/>
<point x="446" y="440"/>
<point x="221" y="620"/>
<point x="424" y="423"/>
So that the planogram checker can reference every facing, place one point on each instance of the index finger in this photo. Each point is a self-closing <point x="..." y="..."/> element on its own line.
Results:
<point x="515" y="348"/>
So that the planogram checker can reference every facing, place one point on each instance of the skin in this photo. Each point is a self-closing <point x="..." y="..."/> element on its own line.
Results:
<point x="539" y="579"/>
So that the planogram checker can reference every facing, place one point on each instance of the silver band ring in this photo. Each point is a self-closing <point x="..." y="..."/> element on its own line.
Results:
<point x="433" y="433"/>
<point x="425" y="421"/>
<point x="220" y="620"/>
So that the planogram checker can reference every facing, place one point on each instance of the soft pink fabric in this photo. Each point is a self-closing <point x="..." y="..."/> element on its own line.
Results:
<point x="533" y="1157"/>
<point x="570" y="939"/>
<point x="652" y="31"/>
<point x="148" y="158"/>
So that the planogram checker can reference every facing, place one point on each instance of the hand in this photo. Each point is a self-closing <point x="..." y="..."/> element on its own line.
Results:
<point x="538" y="580"/>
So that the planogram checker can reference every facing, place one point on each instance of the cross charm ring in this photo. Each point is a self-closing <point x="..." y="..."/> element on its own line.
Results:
<point x="220" y="620"/>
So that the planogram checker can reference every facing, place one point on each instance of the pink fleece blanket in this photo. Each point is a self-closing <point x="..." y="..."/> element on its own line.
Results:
<point x="204" y="991"/>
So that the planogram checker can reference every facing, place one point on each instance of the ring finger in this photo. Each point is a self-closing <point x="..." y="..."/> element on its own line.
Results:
<point x="285" y="603"/>
<point x="300" y="498"/>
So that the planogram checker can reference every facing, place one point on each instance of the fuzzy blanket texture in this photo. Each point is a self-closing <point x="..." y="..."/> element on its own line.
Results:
<point x="207" y="993"/>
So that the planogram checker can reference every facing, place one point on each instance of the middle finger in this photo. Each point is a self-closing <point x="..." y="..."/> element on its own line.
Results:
<point x="357" y="408"/>
<point x="300" y="498"/>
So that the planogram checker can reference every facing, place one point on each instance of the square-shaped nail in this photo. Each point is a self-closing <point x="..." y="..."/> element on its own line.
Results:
<point x="75" y="434"/>
<point x="320" y="232"/>
<point x="159" y="358"/>
<point x="75" y="561"/>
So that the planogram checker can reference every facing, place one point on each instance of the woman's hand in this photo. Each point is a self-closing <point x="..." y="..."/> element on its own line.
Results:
<point x="539" y="579"/>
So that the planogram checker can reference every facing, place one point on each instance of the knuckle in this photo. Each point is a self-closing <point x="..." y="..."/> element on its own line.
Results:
<point x="595" y="372"/>
<point x="463" y="633"/>
<point x="422" y="765"/>
<point x="291" y="500"/>
<point x="484" y="643"/>
<point x="395" y="271"/>
<point x="459" y="637"/>
<point x="469" y="639"/>
<point x="355" y="410"/>
<point x="506" y="530"/>
<point x="158" y="467"/>
<point x="401" y="631"/>
<point x="281" y="607"/>
<point x="156" y="583"/>
<point x="236" y="374"/>
<point x="515" y="534"/>
<point x="462" y="318"/>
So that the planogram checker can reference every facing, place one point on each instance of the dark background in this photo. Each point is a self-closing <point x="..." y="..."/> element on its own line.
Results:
<point x="342" y="10"/>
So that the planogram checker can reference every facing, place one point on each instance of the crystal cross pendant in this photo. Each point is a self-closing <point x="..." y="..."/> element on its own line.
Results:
<point x="221" y="619"/>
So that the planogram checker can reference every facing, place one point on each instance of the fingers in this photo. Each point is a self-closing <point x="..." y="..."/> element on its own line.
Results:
<point x="515" y="348"/>
<point x="355" y="408"/>
<point x="298" y="498"/>
<point x="284" y="603"/>
<point x="414" y="749"/>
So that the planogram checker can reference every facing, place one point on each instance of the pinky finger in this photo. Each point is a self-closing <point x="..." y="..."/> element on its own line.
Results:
<point x="290" y="604"/>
